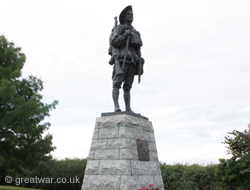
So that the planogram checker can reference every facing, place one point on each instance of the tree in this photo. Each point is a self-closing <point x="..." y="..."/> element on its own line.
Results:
<point x="234" y="173"/>
<point x="22" y="140"/>
<point x="239" y="144"/>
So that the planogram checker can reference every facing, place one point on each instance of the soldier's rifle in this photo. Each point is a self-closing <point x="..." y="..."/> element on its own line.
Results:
<point x="115" y="52"/>
<point x="126" y="52"/>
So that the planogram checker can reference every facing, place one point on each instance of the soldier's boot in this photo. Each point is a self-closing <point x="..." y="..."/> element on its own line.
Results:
<point x="115" y="95"/>
<point x="126" y="96"/>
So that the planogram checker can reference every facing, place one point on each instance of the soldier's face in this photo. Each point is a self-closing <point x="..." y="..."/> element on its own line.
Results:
<point x="129" y="16"/>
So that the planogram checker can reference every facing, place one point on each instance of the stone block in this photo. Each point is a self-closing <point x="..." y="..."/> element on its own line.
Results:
<point x="92" y="167"/>
<point x="146" y="125"/>
<point x="159" y="182"/>
<point x="129" y="182"/>
<point x="96" y="134"/>
<point x="119" y="143"/>
<point x="91" y="155"/>
<point x="108" y="132"/>
<point x="152" y="137"/>
<point x="133" y="143"/>
<point x="145" y="135"/>
<point x="111" y="121"/>
<point x="128" y="154"/>
<point x="136" y="182"/>
<point x="126" y="132"/>
<point x="139" y="133"/>
<point x="153" y="156"/>
<point x="136" y="167"/>
<point x="146" y="180"/>
<point x="99" y="144"/>
<point x="149" y="168"/>
<point x="118" y="167"/>
<point x="106" y="154"/>
<point x="105" y="182"/>
<point x="152" y="147"/>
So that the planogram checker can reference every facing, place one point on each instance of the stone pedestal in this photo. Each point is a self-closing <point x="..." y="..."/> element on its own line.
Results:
<point x="113" y="162"/>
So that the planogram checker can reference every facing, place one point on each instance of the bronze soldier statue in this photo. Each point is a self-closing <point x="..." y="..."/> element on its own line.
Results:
<point x="125" y="51"/>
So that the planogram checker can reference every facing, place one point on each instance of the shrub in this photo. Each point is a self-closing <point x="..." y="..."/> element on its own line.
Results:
<point x="185" y="177"/>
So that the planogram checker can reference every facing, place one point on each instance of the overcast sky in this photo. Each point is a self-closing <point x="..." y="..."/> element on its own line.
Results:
<point x="196" y="85"/>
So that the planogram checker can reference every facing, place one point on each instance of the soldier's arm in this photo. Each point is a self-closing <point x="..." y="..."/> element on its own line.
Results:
<point x="136" y="39"/>
<point x="119" y="37"/>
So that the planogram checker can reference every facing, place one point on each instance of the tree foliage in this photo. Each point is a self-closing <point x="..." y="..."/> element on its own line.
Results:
<point x="234" y="173"/>
<point x="238" y="144"/>
<point x="22" y="140"/>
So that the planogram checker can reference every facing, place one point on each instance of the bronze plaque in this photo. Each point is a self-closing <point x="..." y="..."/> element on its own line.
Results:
<point x="143" y="152"/>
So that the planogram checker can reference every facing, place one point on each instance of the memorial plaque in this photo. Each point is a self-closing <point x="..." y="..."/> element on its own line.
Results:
<point x="143" y="152"/>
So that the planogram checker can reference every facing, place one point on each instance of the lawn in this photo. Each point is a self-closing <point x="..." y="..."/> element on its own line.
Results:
<point x="8" y="187"/>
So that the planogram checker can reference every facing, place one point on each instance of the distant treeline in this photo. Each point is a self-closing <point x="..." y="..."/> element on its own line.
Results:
<point x="70" y="172"/>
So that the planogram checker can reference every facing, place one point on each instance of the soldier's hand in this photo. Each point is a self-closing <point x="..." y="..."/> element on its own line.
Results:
<point x="127" y="32"/>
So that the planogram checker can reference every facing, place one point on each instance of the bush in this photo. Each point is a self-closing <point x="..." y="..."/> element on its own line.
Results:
<point x="233" y="174"/>
<point x="185" y="177"/>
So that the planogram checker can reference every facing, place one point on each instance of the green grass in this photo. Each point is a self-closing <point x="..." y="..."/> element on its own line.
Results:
<point x="8" y="187"/>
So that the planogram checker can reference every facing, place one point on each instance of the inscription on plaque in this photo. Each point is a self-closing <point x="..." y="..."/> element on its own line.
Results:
<point x="142" y="147"/>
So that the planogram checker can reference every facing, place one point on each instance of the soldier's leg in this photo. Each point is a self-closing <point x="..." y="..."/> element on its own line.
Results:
<point x="115" y="96"/>
<point x="127" y="86"/>
<point x="117" y="82"/>
<point x="126" y="96"/>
